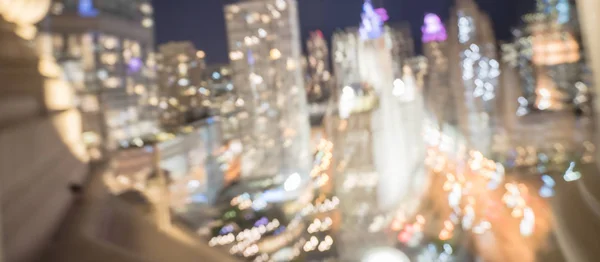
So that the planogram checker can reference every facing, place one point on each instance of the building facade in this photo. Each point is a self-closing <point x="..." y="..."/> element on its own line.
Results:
<point x="265" y="54"/>
<point x="472" y="45"/>
<point x="106" y="49"/>
<point x="554" y="74"/>
<point x="437" y="89"/>
<point x="182" y="97"/>
<point x="320" y="80"/>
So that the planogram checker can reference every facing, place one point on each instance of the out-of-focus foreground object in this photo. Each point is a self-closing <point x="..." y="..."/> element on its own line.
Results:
<point x="54" y="206"/>
<point x="589" y="21"/>
<point x="41" y="154"/>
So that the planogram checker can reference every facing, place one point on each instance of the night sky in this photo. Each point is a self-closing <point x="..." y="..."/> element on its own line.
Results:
<point x="202" y="21"/>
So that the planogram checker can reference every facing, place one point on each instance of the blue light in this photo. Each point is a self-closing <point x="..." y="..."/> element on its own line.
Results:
<point x="372" y="21"/>
<point x="86" y="8"/>
<point x="263" y="221"/>
<point x="546" y="192"/>
<point x="564" y="12"/>
<point x="226" y="229"/>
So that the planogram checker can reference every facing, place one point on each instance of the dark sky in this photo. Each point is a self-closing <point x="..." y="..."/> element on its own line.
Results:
<point x="202" y="22"/>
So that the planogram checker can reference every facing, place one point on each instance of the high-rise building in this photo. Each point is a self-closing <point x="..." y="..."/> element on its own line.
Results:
<point x="182" y="97"/>
<point x="219" y="80"/>
<point x="349" y="57"/>
<point x="472" y="46"/>
<point x="106" y="49"/>
<point x="437" y="93"/>
<point x="264" y="49"/>
<point x="554" y="73"/>
<point x="403" y="45"/>
<point x="319" y="86"/>
<point x="345" y="59"/>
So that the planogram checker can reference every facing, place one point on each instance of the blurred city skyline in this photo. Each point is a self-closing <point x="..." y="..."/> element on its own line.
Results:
<point x="202" y="22"/>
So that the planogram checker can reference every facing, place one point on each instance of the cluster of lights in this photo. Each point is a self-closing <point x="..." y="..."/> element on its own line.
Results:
<point x="319" y="226"/>
<point x="514" y="198"/>
<point x="147" y="12"/>
<point x="325" y="206"/>
<point x="371" y="26"/>
<point x="410" y="234"/>
<point x="482" y="71"/>
<point x="323" y="158"/>
<point x="461" y="192"/>
<point x="322" y="163"/>
<point x="351" y="102"/>
<point x="222" y="240"/>
<point x="466" y="29"/>
<point x="555" y="48"/>
<point x="318" y="68"/>
<point x="109" y="57"/>
<point x="271" y="95"/>
<point x="314" y="243"/>
<point x="293" y="231"/>
<point x="360" y="180"/>
<point x="181" y="89"/>
<point x="246" y="238"/>
<point x="432" y="253"/>
<point x="530" y="156"/>
<point x="464" y="197"/>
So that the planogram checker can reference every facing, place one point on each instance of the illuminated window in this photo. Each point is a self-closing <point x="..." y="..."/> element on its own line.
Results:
<point x="89" y="103"/>
<point x="236" y="55"/>
<point x="112" y="82"/>
<point x="146" y="8"/>
<point x="109" y="58"/>
<point x="57" y="8"/>
<point x="275" y="54"/>
<point x="109" y="42"/>
<point x="147" y="22"/>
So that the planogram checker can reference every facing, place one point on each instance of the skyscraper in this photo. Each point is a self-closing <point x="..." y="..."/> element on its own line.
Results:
<point x="345" y="59"/>
<point x="320" y="79"/>
<point x="554" y="73"/>
<point x="437" y="88"/>
<point x="264" y="45"/>
<point x="182" y="98"/>
<point x="106" y="49"/>
<point x="472" y="45"/>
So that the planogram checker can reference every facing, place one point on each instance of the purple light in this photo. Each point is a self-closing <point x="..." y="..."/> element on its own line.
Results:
<point x="135" y="65"/>
<point x="382" y="13"/>
<point x="263" y="221"/>
<point x="371" y="26"/>
<point x="433" y="29"/>
<point x="250" y="56"/>
<point x="226" y="229"/>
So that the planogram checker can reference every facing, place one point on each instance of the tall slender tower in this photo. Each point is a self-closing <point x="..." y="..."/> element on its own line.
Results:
<point x="472" y="45"/>
<point x="437" y="89"/>
<point x="264" y="45"/>
<point x="320" y="81"/>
